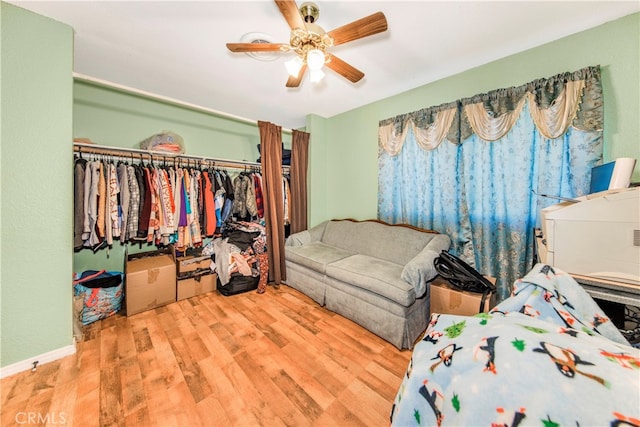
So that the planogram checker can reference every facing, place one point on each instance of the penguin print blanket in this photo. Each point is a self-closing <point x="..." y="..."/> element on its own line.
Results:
<point x="545" y="356"/>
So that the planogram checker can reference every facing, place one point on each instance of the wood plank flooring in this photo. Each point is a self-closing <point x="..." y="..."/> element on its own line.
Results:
<point x="276" y="359"/>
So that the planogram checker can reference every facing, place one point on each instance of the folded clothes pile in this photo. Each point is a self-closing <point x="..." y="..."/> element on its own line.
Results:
<point x="165" y="142"/>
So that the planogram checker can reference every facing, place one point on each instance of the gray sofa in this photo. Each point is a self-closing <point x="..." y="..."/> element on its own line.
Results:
<point x="373" y="273"/>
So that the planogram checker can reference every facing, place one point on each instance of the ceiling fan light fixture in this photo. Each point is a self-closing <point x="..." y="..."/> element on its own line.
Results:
<point x="315" y="59"/>
<point x="315" y="75"/>
<point x="293" y="66"/>
<point x="311" y="43"/>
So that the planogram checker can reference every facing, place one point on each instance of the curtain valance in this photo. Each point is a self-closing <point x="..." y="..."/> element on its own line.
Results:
<point x="430" y="126"/>
<point x="567" y="99"/>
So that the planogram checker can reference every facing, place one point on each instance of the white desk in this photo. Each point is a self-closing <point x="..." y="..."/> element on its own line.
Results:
<point x="609" y="290"/>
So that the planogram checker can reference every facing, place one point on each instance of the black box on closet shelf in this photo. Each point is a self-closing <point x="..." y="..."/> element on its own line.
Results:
<point x="150" y="280"/>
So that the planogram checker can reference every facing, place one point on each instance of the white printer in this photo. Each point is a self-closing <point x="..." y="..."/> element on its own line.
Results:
<point x="597" y="235"/>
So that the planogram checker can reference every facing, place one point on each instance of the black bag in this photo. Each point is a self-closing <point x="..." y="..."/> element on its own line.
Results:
<point x="237" y="284"/>
<point x="463" y="276"/>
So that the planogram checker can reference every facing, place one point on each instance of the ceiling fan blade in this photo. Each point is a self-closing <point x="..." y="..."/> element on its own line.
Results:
<point x="257" y="47"/>
<point x="290" y="11"/>
<point x="347" y="71"/>
<point x="294" y="81"/>
<point x="364" y="27"/>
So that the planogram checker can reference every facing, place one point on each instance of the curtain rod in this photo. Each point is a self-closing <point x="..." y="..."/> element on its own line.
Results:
<point x="81" y="147"/>
<point x="165" y="99"/>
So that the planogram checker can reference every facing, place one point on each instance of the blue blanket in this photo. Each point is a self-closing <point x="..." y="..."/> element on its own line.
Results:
<point x="545" y="356"/>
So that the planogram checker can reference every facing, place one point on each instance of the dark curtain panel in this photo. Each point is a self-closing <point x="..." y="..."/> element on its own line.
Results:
<point x="271" y="160"/>
<point x="299" y="163"/>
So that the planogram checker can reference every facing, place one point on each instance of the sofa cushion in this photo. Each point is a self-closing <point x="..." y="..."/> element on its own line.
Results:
<point x="394" y="243"/>
<point x="315" y="255"/>
<point x="376" y="275"/>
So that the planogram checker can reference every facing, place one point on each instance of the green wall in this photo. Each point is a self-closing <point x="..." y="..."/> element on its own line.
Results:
<point x="116" y="118"/>
<point x="320" y="167"/>
<point x="36" y="200"/>
<point x="351" y="138"/>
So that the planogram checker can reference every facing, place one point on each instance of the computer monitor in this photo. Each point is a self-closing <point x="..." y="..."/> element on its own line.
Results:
<point x="612" y="175"/>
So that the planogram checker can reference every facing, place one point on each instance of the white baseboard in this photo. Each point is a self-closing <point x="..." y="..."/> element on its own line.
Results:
<point x="41" y="359"/>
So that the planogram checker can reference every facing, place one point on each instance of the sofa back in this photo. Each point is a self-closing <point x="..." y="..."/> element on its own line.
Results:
<point x="394" y="243"/>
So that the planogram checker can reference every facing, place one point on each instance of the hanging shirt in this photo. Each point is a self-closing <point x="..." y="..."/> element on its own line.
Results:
<point x="219" y="196"/>
<point x="166" y="205"/>
<point x="201" y="202"/>
<point x="125" y="197"/>
<point x="194" y="220"/>
<point x="153" y="203"/>
<point x="92" y="238"/>
<point x="134" y="203"/>
<point x="227" y="209"/>
<point x="252" y="207"/>
<point x="177" y="196"/>
<point x="102" y="201"/>
<point x="209" y="206"/>
<point x="78" y="201"/>
<point x="183" y="202"/>
<point x="257" y="184"/>
<point x="145" y="203"/>
<point x="185" y="222"/>
<point x="88" y="180"/>
<point x="114" y="207"/>
<point x="240" y="194"/>
<point x="114" y="202"/>
<point x="286" y="193"/>
<point x="184" y="234"/>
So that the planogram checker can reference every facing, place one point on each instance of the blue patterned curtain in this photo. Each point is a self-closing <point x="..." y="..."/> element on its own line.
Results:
<point x="419" y="187"/>
<point x="503" y="179"/>
<point x="475" y="169"/>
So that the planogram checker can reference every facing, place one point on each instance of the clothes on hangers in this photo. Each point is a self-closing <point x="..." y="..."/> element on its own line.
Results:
<point x="161" y="204"/>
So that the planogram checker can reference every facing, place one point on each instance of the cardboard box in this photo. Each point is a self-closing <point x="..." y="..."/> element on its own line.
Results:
<point x="187" y="264"/>
<point x="446" y="299"/>
<point x="198" y="285"/>
<point x="150" y="281"/>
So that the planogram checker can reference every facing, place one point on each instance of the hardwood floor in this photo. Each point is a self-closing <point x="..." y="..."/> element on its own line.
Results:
<point x="249" y="359"/>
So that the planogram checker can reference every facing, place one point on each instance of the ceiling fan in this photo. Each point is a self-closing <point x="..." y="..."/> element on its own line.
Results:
<point x="311" y="43"/>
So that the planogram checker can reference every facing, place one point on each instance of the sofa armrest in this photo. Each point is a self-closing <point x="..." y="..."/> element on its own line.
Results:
<point x="306" y="236"/>
<point x="420" y="270"/>
<point x="298" y="239"/>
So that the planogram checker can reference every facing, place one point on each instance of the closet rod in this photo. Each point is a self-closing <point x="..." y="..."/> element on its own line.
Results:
<point x="81" y="147"/>
<point x="165" y="99"/>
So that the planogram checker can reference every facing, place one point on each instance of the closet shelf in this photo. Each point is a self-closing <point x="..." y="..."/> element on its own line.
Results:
<point x="81" y="147"/>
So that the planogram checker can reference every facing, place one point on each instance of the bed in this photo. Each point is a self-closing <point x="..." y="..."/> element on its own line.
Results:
<point x="545" y="356"/>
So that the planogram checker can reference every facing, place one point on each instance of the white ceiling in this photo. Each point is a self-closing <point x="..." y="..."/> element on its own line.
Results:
<point x="177" y="48"/>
